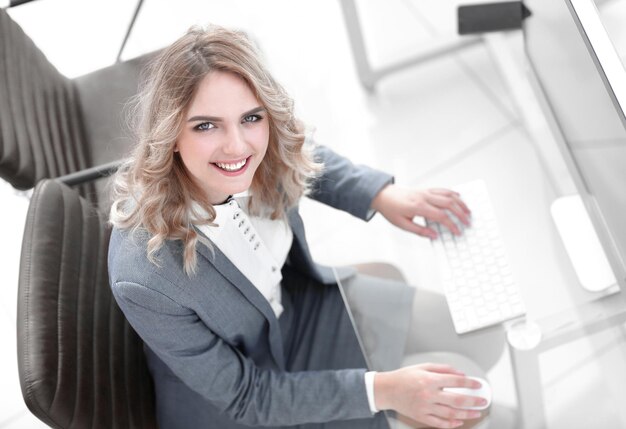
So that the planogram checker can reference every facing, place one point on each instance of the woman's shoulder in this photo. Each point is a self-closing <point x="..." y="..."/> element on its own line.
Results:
<point x="128" y="257"/>
<point x="128" y="243"/>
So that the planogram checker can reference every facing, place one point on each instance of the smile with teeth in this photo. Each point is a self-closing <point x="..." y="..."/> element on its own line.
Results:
<point x="232" y="167"/>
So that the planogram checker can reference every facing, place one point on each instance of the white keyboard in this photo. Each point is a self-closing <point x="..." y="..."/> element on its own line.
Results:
<point x="478" y="281"/>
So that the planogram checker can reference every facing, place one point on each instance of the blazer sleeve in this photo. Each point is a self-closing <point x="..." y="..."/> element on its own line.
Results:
<point x="249" y="394"/>
<point x="346" y="186"/>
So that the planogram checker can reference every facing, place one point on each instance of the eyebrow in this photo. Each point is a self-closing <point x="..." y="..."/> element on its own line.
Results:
<point x="218" y="119"/>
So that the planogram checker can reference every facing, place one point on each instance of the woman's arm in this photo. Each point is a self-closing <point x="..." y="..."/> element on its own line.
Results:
<point x="362" y="191"/>
<point x="346" y="186"/>
<point x="230" y="380"/>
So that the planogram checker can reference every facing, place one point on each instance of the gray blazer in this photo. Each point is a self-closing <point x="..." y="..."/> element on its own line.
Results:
<point x="214" y="345"/>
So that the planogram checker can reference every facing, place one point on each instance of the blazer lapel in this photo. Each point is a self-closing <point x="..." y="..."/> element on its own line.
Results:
<point x="241" y="282"/>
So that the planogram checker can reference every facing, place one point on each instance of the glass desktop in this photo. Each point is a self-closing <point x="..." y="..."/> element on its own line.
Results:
<point x="579" y="354"/>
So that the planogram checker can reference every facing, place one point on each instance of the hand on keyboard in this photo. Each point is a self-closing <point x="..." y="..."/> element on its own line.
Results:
<point x="478" y="282"/>
<point x="401" y="205"/>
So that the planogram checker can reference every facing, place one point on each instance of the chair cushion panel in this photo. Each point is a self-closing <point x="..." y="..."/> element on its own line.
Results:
<point x="102" y="370"/>
<point x="37" y="302"/>
<point x="72" y="226"/>
<point x="17" y="152"/>
<point x="5" y="130"/>
<point x="78" y="151"/>
<point x="37" y="115"/>
<point x="90" y="258"/>
<point x="118" y="374"/>
<point x="81" y="364"/>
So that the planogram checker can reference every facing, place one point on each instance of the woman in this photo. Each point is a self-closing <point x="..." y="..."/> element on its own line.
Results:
<point x="241" y="327"/>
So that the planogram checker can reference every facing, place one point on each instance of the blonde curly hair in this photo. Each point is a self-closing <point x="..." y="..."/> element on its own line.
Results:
<point x="153" y="191"/>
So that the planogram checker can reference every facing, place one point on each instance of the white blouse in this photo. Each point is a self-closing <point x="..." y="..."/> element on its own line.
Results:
<point x="257" y="246"/>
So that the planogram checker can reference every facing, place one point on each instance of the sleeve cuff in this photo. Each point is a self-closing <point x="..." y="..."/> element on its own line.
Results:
<point x="390" y="180"/>
<point x="369" y="387"/>
<point x="370" y="214"/>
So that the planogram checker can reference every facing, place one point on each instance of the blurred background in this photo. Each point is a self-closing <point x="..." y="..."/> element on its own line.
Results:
<point x="442" y="122"/>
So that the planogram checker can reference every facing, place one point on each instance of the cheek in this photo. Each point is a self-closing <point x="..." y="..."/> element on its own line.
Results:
<point x="193" y="150"/>
<point x="258" y="138"/>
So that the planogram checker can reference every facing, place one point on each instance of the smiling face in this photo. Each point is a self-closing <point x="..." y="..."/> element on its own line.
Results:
<point x="224" y="136"/>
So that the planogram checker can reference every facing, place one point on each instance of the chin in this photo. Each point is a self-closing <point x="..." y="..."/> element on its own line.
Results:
<point x="239" y="188"/>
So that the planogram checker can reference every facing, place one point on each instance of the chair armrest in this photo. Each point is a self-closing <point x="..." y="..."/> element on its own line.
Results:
<point x="14" y="3"/>
<point x="90" y="174"/>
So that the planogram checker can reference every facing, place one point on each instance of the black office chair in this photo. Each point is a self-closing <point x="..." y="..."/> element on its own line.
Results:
<point x="52" y="126"/>
<point x="80" y="363"/>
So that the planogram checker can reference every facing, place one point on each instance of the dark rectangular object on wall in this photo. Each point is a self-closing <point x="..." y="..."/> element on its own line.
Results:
<point x="486" y="17"/>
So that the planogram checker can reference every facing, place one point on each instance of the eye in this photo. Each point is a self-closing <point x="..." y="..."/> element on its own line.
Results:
<point x="252" y="118"/>
<point x="205" y="126"/>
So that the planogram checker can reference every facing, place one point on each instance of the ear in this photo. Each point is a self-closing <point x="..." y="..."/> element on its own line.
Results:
<point x="176" y="147"/>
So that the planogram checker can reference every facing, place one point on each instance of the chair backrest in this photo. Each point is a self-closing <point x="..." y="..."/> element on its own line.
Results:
<point x="102" y="96"/>
<point x="41" y="131"/>
<point x="50" y="125"/>
<point x="80" y="363"/>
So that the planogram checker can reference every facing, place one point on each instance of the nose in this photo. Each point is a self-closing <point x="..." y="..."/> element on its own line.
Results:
<point x="234" y="143"/>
